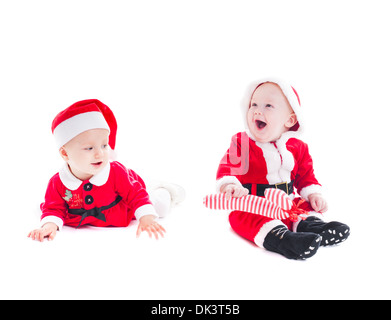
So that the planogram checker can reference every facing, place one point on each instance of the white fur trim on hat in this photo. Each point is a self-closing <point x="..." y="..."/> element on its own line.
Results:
<point x="72" y="127"/>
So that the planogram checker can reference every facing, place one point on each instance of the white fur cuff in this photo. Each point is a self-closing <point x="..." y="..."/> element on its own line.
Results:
<point x="54" y="219"/>
<point x="314" y="188"/>
<point x="227" y="180"/>
<point x="265" y="229"/>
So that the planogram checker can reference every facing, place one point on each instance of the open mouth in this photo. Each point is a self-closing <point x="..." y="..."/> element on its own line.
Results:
<point x="97" y="164"/>
<point x="260" y="124"/>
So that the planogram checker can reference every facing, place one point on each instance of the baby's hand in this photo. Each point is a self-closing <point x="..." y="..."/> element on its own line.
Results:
<point x="318" y="203"/>
<point x="233" y="190"/>
<point x="148" y="223"/>
<point x="48" y="230"/>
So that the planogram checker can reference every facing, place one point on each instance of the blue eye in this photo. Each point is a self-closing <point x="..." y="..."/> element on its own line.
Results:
<point x="104" y="146"/>
<point x="269" y="106"/>
<point x="88" y="149"/>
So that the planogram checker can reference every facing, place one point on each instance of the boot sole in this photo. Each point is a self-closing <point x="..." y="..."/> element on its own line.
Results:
<point x="335" y="236"/>
<point x="312" y="249"/>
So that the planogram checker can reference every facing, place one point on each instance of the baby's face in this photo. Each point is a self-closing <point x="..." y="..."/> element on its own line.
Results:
<point x="87" y="154"/>
<point x="269" y="114"/>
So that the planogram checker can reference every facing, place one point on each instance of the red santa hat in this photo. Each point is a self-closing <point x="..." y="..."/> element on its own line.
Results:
<point x="82" y="116"/>
<point x="289" y="92"/>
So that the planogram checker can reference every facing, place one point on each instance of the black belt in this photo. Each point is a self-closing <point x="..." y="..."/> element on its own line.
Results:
<point x="95" y="212"/>
<point x="284" y="186"/>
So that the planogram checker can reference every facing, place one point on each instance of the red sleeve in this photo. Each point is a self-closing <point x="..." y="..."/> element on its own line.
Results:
<point x="54" y="204"/>
<point x="130" y="187"/>
<point x="305" y="177"/>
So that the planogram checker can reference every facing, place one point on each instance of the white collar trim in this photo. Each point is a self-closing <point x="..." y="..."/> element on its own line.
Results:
<point x="283" y="139"/>
<point x="73" y="183"/>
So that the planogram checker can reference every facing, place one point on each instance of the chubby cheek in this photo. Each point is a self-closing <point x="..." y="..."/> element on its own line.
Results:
<point x="81" y="160"/>
<point x="249" y="117"/>
<point x="105" y="159"/>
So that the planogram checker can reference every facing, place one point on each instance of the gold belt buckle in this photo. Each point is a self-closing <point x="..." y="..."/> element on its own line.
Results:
<point x="286" y="186"/>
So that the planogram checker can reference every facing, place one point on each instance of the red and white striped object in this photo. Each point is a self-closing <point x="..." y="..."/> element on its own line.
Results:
<point x="276" y="204"/>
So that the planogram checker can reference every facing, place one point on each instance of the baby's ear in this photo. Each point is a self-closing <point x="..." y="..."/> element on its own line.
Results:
<point x="292" y="120"/>
<point x="64" y="154"/>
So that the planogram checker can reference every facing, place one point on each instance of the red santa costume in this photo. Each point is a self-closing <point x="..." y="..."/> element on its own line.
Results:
<point x="284" y="164"/>
<point x="113" y="197"/>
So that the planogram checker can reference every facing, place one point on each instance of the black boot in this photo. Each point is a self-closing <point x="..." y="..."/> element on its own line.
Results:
<point x="332" y="232"/>
<point x="292" y="245"/>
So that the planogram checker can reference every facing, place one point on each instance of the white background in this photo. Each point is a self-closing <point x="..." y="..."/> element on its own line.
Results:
<point x="174" y="72"/>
